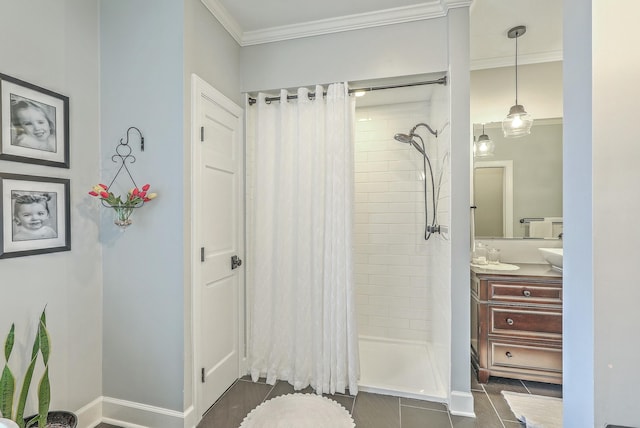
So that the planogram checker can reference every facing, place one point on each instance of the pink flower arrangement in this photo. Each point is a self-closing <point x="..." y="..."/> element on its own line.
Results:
<point x="135" y="198"/>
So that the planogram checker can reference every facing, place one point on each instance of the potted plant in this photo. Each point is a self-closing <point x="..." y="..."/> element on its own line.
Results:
<point x="44" y="418"/>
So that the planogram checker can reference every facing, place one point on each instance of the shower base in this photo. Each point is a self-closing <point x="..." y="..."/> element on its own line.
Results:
<point x="402" y="369"/>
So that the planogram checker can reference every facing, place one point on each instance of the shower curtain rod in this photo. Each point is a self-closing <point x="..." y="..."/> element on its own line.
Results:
<point x="440" y="81"/>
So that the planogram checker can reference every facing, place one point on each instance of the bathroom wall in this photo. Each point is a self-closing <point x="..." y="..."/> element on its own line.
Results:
<point x="391" y="255"/>
<point x="440" y="263"/>
<point x="55" y="45"/>
<point x="141" y="84"/>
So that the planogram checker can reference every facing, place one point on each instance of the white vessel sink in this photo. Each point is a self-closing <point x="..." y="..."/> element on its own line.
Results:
<point x="553" y="256"/>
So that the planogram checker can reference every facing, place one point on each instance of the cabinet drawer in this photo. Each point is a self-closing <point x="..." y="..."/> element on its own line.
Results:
<point x="525" y="322"/>
<point x="522" y="356"/>
<point x="525" y="293"/>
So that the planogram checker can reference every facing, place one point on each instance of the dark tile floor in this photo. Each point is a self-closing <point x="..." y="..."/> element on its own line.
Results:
<point x="382" y="411"/>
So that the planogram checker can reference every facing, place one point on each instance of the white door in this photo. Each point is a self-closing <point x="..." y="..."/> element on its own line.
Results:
<point x="217" y="237"/>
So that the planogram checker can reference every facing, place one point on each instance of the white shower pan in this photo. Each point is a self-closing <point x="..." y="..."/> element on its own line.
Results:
<point x="402" y="369"/>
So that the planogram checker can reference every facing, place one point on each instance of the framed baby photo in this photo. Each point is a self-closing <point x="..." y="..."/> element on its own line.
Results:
<point x="35" y="216"/>
<point x="34" y="124"/>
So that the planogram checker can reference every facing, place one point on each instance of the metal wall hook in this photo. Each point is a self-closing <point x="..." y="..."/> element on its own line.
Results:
<point x="122" y="156"/>
<point x="126" y="143"/>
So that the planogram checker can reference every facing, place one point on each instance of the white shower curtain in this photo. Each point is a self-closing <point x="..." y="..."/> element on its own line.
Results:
<point x="303" y="320"/>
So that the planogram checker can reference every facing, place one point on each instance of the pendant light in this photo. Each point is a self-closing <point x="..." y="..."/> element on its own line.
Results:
<point x="518" y="122"/>
<point x="484" y="147"/>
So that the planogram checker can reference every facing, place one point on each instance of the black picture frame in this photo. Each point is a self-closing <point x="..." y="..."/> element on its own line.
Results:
<point x="35" y="215"/>
<point x="34" y="124"/>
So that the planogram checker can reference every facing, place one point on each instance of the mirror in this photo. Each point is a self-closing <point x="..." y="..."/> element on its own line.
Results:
<point x="517" y="191"/>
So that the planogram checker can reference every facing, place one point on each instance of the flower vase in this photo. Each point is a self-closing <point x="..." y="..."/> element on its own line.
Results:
<point x="122" y="216"/>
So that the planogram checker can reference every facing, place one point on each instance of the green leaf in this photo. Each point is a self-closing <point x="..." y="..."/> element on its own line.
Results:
<point x="44" y="398"/>
<point x="43" y="338"/>
<point x="7" y="389"/>
<point x="8" y="344"/>
<point x="24" y="392"/>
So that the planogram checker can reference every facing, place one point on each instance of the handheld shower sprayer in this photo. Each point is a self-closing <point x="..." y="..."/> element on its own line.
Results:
<point x="409" y="139"/>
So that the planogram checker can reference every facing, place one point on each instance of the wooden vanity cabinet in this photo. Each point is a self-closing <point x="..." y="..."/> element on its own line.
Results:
<point x="516" y="326"/>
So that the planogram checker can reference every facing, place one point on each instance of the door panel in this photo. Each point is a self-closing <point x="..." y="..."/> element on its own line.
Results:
<point x="217" y="236"/>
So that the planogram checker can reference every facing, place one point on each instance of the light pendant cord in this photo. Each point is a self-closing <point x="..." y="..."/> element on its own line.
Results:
<point x="517" y="36"/>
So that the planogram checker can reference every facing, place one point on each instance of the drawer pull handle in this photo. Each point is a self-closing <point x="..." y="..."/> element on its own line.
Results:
<point x="508" y="354"/>
<point x="509" y="321"/>
<point x="526" y="293"/>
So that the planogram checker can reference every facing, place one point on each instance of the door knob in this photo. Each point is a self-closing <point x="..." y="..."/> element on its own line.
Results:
<point x="235" y="262"/>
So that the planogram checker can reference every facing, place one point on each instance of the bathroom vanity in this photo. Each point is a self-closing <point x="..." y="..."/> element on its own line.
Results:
<point x="516" y="323"/>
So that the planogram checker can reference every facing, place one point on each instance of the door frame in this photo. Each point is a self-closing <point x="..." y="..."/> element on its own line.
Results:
<point x="507" y="191"/>
<point x="200" y="88"/>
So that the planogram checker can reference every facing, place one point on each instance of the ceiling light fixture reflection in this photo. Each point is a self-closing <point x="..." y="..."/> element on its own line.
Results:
<point x="518" y="122"/>
<point x="484" y="147"/>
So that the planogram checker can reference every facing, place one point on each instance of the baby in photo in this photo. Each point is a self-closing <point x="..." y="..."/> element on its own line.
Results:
<point x="33" y="126"/>
<point x="31" y="217"/>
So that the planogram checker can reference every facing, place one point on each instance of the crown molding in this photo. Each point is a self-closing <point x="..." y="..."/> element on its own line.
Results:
<point x="426" y="10"/>
<point x="523" y="59"/>
<point x="225" y="18"/>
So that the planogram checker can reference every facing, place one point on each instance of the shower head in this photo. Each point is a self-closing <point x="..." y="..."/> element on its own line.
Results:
<point x="403" y="138"/>
<point x="408" y="139"/>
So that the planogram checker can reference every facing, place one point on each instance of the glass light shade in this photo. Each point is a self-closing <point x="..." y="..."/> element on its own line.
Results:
<point x="517" y="123"/>
<point x="483" y="147"/>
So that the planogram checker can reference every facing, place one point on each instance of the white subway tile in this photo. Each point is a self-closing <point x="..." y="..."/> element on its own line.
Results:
<point x="361" y="238"/>
<point x="360" y="258"/>
<point x="405" y="186"/>
<point x="360" y="218"/>
<point x="376" y="228"/>
<point x="390" y="280"/>
<point x="378" y="310"/>
<point x="390" y="155"/>
<point x="402" y="218"/>
<point x="389" y="322"/>
<point x="362" y="299"/>
<point x="377" y="238"/>
<point x="387" y="260"/>
<point x="367" y="330"/>
<point x="391" y="197"/>
<point x="361" y="177"/>
<point x="414" y="314"/>
<point x="419" y="325"/>
<point x="362" y="197"/>
<point x="403" y="165"/>
<point x="375" y="249"/>
<point x="407" y="334"/>
<point x="372" y="187"/>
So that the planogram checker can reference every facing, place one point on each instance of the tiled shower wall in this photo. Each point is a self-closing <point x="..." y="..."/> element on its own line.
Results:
<point x="391" y="255"/>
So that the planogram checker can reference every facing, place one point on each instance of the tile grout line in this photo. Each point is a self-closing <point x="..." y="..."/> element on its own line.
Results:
<point x="493" y="407"/>
<point x="525" y="386"/>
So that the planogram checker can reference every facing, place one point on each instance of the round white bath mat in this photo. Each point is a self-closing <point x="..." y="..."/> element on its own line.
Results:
<point x="299" y="411"/>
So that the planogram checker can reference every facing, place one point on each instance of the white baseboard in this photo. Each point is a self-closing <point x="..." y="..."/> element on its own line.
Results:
<point x="461" y="404"/>
<point x="90" y="415"/>
<point x="129" y="414"/>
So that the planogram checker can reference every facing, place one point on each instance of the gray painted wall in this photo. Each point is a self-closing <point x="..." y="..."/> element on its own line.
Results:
<point x="578" y="281"/>
<point x="55" y="45"/>
<point x="142" y="85"/>
<point x="373" y="53"/>
<point x="211" y="53"/>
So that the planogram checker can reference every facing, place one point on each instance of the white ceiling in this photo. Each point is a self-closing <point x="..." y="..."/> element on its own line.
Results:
<point x="260" y="21"/>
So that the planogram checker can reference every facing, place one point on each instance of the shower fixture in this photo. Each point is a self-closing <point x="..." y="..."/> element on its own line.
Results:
<point x="408" y="138"/>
